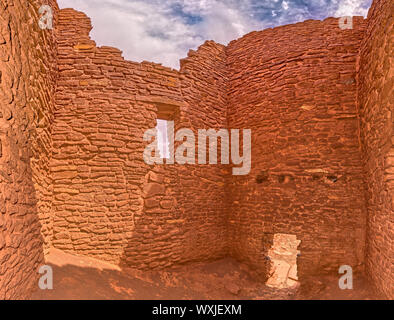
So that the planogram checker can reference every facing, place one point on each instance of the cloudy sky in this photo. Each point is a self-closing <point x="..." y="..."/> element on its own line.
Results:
<point x="163" y="31"/>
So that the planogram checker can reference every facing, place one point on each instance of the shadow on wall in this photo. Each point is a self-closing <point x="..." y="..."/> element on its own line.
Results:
<point x="21" y="243"/>
<point x="26" y="89"/>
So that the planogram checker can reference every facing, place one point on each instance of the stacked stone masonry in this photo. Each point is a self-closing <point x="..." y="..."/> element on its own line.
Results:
<point x="376" y="109"/>
<point x="27" y="82"/>
<point x="295" y="88"/>
<point x="107" y="202"/>
<point x="318" y="100"/>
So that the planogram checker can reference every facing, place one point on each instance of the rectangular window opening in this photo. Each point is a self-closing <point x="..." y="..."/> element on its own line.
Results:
<point x="162" y="138"/>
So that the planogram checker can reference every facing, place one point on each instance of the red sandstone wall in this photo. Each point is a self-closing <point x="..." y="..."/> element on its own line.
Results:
<point x="42" y="103"/>
<point x="202" y="188"/>
<point x="294" y="86"/>
<point x="26" y="87"/>
<point x="97" y="166"/>
<point x="107" y="202"/>
<point x="375" y="103"/>
<point x="184" y="216"/>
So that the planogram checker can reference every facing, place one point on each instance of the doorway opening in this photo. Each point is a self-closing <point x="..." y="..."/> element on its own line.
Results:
<point x="283" y="256"/>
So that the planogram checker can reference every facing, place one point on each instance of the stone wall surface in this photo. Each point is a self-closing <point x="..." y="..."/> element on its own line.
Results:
<point x="27" y="64"/>
<point x="204" y="87"/>
<point x="97" y="166"/>
<point x="319" y="102"/>
<point x="295" y="88"/>
<point x="42" y="103"/>
<point x="177" y="224"/>
<point x="375" y="103"/>
<point x="107" y="202"/>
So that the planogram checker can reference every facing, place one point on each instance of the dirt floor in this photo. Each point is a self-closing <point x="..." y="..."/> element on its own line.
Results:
<point x="77" y="277"/>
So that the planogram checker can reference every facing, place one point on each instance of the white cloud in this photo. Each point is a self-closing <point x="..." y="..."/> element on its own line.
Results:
<point x="149" y="30"/>
<point x="159" y="30"/>
<point x="143" y="31"/>
<point x="351" y="8"/>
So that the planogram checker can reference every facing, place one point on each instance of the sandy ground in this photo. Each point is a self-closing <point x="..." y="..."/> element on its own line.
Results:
<point x="77" y="277"/>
